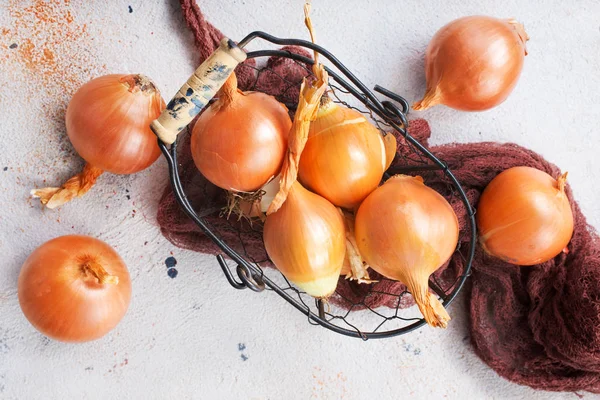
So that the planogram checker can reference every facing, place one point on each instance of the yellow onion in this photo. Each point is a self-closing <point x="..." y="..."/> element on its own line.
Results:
<point x="108" y="123"/>
<point x="74" y="288"/>
<point x="406" y="231"/>
<point x="239" y="142"/>
<point x="524" y="216"/>
<point x="306" y="241"/>
<point x="473" y="63"/>
<point x="344" y="157"/>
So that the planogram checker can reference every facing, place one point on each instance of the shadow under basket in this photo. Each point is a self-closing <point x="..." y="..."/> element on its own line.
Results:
<point x="351" y="315"/>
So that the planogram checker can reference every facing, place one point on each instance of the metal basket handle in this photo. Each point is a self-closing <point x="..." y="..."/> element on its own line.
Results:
<point x="200" y="88"/>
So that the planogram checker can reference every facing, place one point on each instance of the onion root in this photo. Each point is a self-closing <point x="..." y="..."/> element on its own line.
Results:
<point x="245" y="205"/>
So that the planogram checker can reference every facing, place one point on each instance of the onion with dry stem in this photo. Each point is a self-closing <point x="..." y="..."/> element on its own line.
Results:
<point x="74" y="288"/>
<point x="473" y="63"/>
<point x="524" y="216"/>
<point x="108" y="123"/>
<point x="311" y="93"/>
<point x="306" y="241"/>
<point x="406" y="231"/>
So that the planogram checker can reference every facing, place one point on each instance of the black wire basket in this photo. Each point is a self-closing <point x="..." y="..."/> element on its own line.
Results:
<point x="350" y="317"/>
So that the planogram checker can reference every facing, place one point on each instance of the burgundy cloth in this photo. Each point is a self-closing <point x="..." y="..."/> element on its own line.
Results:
<point x="538" y="326"/>
<point x="207" y="38"/>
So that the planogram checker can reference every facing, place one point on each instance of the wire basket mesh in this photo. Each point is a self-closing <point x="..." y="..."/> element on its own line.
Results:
<point x="376" y="310"/>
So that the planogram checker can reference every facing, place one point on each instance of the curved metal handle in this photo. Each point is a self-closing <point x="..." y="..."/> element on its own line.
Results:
<point x="248" y="279"/>
<point x="195" y="94"/>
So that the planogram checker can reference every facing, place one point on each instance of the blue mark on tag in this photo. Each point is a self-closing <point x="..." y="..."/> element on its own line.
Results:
<point x="218" y="72"/>
<point x="198" y="106"/>
<point x="175" y="105"/>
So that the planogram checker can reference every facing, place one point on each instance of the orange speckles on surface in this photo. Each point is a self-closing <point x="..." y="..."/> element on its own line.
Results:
<point x="53" y="54"/>
<point x="26" y="52"/>
<point x="42" y="12"/>
<point x="48" y="56"/>
<point x="328" y="386"/>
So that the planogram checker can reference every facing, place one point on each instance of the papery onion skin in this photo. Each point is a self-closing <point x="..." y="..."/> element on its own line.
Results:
<point x="524" y="216"/>
<point x="306" y="241"/>
<point x="391" y="147"/>
<point x="406" y="231"/>
<point x="354" y="267"/>
<point x="344" y="157"/>
<point x="473" y="63"/>
<point x="63" y="299"/>
<point x="108" y="122"/>
<point x="239" y="143"/>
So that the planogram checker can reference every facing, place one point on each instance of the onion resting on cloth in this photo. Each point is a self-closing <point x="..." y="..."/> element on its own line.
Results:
<point x="524" y="216"/>
<point x="406" y="231"/>
<point x="536" y="326"/>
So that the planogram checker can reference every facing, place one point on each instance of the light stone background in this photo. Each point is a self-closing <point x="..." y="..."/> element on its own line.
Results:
<point x="194" y="336"/>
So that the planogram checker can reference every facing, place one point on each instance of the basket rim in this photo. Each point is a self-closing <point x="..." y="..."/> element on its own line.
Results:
<point x="252" y="276"/>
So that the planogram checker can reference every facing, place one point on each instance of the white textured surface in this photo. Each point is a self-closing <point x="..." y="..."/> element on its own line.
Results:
<point x="182" y="337"/>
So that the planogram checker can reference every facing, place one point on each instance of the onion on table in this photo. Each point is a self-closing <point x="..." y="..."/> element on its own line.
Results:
<point x="473" y="63"/>
<point x="524" y="216"/>
<point x="74" y="288"/>
<point x="108" y="123"/>
<point x="406" y="231"/>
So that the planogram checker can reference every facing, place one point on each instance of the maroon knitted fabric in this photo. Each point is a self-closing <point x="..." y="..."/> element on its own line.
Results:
<point x="207" y="39"/>
<point x="537" y="326"/>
